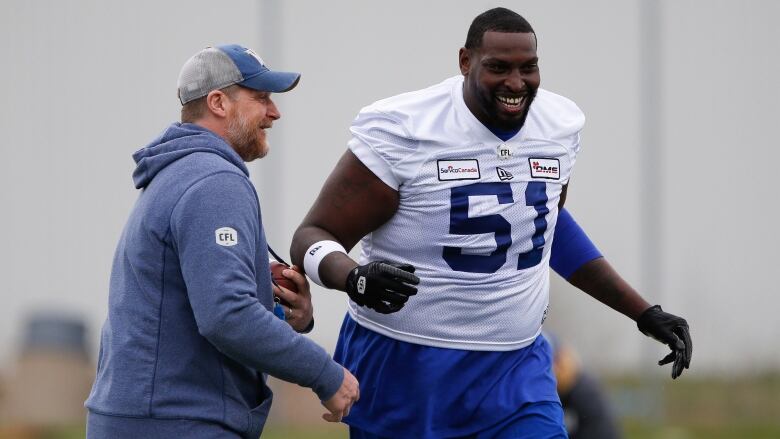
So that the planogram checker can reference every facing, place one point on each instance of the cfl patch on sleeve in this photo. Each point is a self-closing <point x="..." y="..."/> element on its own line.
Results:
<point x="226" y="236"/>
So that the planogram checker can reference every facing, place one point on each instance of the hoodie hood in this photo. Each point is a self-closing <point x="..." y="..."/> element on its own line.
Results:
<point x="180" y="140"/>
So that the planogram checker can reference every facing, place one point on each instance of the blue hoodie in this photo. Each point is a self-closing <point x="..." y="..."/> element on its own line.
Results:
<point x="190" y="332"/>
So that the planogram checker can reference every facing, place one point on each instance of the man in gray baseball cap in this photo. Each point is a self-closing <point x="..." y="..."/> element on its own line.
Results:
<point x="233" y="70"/>
<point x="191" y="332"/>
<point x="214" y="68"/>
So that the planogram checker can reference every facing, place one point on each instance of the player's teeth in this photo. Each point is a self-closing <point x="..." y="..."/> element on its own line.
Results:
<point x="510" y="101"/>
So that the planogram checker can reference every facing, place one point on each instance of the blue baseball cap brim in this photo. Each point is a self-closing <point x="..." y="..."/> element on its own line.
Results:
<point x="272" y="81"/>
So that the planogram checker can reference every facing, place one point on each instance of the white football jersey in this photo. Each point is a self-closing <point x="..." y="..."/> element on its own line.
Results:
<point x="476" y="214"/>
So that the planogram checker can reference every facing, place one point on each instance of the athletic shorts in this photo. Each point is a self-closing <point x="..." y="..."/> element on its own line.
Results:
<point x="409" y="390"/>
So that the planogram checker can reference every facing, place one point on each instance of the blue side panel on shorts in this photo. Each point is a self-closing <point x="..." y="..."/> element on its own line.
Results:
<point x="410" y="390"/>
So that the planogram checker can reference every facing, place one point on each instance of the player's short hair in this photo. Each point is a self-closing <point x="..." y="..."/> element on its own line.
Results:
<point x="496" y="20"/>
<point x="195" y="109"/>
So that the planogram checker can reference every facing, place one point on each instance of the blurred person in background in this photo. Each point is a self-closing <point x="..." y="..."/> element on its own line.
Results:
<point x="462" y="184"/>
<point x="190" y="334"/>
<point x="586" y="410"/>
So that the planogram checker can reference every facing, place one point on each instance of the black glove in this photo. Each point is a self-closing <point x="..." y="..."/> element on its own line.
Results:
<point x="671" y="331"/>
<point x="382" y="286"/>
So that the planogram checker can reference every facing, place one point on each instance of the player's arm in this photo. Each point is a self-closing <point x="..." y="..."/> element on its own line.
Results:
<point x="352" y="203"/>
<point x="578" y="260"/>
<point x="562" y="199"/>
<point x="603" y="283"/>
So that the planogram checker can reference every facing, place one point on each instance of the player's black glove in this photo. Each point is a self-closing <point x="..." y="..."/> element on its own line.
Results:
<point x="382" y="286"/>
<point x="671" y="331"/>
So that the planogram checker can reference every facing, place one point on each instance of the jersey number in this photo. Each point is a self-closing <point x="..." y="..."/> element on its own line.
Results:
<point x="462" y="224"/>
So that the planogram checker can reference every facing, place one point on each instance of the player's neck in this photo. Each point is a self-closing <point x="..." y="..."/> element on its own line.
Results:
<point x="504" y="134"/>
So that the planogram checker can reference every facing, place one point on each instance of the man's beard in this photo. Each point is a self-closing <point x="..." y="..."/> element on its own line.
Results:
<point x="246" y="139"/>
<point x="492" y="108"/>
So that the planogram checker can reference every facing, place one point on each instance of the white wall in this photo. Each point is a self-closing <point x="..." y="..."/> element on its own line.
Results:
<point x="85" y="85"/>
<point x="90" y="82"/>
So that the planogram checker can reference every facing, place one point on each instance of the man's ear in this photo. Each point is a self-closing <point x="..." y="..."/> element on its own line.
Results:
<point x="464" y="59"/>
<point x="217" y="102"/>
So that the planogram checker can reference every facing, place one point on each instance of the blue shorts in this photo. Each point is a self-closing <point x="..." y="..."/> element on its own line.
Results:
<point x="410" y="390"/>
<point x="539" y="420"/>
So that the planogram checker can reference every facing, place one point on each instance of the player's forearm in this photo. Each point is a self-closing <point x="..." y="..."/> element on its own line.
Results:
<point x="603" y="283"/>
<point x="334" y="268"/>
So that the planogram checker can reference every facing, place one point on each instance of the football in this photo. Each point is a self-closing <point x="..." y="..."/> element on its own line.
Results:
<point x="279" y="279"/>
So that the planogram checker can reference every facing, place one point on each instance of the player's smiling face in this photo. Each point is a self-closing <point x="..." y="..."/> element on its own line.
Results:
<point x="501" y="78"/>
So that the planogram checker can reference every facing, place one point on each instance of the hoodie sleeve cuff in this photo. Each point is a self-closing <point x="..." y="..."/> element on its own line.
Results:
<point x="329" y="381"/>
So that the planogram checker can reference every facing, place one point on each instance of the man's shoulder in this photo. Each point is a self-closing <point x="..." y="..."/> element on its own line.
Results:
<point x="407" y="109"/>
<point x="414" y="102"/>
<point x="201" y="175"/>
<point x="555" y="115"/>
<point x="203" y="164"/>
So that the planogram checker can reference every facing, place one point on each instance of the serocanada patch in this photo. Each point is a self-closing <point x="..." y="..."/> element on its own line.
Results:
<point x="226" y="236"/>
<point x="545" y="168"/>
<point x="450" y="170"/>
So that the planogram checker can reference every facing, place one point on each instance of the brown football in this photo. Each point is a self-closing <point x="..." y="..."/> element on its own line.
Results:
<point x="276" y="274"/>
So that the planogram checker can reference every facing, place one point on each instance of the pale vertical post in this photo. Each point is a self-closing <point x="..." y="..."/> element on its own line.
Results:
<point x="270" y="173"/>
<point x="651" y="184"/>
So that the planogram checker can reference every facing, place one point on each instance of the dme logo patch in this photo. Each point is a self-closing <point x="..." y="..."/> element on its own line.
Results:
<point x="450" y="170"/>
<point x="545" y="168"/>
<point x="226" y="236"/>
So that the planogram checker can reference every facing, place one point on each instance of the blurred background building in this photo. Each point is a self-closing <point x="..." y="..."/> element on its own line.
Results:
<point x="51" y="372"/>
<point x="674" y="182"/>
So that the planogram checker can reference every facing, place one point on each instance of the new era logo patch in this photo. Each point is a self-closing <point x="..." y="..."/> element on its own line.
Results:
<point x="458" y="169"/>
<point x="503" y="174"/>
<point x="545" y="168"/>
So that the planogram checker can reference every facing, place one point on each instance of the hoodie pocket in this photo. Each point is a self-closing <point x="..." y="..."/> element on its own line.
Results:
<point x="258" y="415"/>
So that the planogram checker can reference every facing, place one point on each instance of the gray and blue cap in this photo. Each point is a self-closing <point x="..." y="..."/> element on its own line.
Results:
<point x="218" y="67"/>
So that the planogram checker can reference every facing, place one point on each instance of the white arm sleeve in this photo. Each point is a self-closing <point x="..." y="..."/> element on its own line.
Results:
<point x="381" y="142"/>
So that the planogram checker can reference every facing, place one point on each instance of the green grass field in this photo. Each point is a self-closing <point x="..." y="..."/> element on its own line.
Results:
<point x="632" y="430"/>
<point x="691" y="408"/>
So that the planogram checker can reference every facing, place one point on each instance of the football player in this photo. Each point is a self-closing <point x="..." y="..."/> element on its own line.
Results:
<point x="455" y="191"/>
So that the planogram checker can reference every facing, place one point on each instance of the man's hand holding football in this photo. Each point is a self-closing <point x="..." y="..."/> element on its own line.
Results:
<point x="296" y="302"/>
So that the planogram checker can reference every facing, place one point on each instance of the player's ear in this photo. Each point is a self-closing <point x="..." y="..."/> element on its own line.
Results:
<point x="464" y="59"/>
<point x="217" y="102"/>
